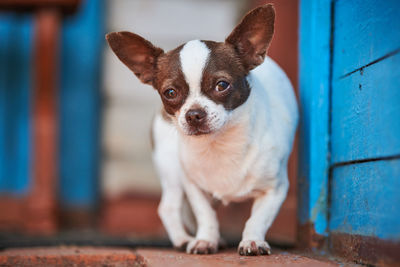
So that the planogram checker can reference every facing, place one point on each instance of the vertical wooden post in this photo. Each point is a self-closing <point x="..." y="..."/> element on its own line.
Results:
<point x="314" y="93"/>
<point x="42" y="200"/>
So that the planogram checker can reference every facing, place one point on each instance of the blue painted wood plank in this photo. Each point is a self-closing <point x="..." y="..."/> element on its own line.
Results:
<point x="314" y="45"/>
<point x="16" y="58"/>
<point x="365" y="30"/>
<point x="5" y="30"/>
<point x="366" y="113"/>
<point x="366" y="199"/>
<point x="82" y="44"/>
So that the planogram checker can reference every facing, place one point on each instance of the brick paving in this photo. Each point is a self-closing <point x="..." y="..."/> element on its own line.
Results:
<point x="168" y="258"/>
<point x="69" y="256"/>
<point x="103" y="256"/>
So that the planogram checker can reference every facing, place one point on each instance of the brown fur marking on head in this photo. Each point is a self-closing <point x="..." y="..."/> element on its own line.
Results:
<point x="169" y="76"/>
<point x="225" y="65"/>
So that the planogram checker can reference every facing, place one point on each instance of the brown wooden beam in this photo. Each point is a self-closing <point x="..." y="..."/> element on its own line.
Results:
<point x="67" y="6"/>
<point x="41" y="204"/>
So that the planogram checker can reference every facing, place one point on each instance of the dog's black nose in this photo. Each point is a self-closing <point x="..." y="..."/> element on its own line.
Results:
<point x="195" y="117"/>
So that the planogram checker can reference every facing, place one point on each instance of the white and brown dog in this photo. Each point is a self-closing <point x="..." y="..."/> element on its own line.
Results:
<point x="226" y="128"/>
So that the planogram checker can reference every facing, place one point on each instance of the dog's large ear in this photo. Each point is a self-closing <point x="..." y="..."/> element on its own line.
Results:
<point x="251" y="38"/>
<point x="137" y="53"/>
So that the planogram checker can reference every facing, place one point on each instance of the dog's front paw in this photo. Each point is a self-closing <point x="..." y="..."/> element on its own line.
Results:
<point x="254" y="248"/>
<point x="181" y="243"/>
<point x="199" y="246"/>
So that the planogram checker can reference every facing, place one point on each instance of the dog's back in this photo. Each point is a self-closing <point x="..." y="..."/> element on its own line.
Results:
<point x="274" y="96"/>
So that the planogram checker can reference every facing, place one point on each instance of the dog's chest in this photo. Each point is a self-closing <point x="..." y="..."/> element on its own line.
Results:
<point x="220" y="166"/>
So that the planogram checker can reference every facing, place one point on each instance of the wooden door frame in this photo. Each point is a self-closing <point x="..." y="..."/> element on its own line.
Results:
<point x="315" y="65"/>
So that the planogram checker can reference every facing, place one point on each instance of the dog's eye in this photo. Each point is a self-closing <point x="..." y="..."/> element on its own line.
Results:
<point x="222" y="86"/>
<point x="170" y="93"/>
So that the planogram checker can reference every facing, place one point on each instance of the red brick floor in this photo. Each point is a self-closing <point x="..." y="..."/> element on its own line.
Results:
<point x="168" y="258"/>
<point x="96" y="256"/>
<point x="69" y="256"/>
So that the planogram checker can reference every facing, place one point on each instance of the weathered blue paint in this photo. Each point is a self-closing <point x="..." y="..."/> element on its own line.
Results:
<point x="365" y="143"/>
<point x="358" y="124"/>
<point x="365" y="30"/>
<point x="315" y="29"/>
<point x="15" y="89"/>
<point x="366" y="199"/>
<point x="366" y="112"/>
<point x="82" y="43"/>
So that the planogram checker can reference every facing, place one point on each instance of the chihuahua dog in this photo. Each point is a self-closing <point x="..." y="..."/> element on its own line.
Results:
<point x="225" y="131"/>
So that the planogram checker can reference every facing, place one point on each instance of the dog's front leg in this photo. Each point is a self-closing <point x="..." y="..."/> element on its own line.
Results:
<point x="170" y="212"/>
<point x="263" y="213"/>
<point x="207" y="236"/>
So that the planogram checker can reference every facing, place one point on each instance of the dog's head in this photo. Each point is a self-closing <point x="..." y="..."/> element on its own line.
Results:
<point x="200" y="82"/>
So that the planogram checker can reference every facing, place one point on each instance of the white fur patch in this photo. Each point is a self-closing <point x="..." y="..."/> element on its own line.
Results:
<point x="194" y="56"/>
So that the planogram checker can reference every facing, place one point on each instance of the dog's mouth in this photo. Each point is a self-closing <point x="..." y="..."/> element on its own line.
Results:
<point x="196" y="131"/>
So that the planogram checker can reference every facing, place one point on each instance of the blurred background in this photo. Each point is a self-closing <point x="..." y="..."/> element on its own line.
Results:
<point x="74" y="121"/>
<point x="75" y="159"/>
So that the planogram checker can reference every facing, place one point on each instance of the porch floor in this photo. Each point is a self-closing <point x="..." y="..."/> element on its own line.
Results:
<point x="103" y="256"/>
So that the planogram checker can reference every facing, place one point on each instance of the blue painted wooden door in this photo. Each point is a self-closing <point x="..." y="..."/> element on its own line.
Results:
<point x="81" y="41"/>
<point x="350" y="130"/>
<point x="15" y="94"/>
<point x="82" y="45"/>
<point x="365" y="119"/>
